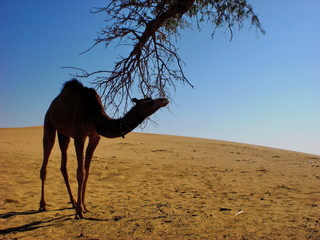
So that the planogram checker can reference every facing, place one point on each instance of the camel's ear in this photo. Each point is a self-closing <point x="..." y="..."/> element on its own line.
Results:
<point x="134" y="100"/>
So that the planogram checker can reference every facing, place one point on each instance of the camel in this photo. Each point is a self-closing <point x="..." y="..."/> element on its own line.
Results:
<point x="77" y="112"/>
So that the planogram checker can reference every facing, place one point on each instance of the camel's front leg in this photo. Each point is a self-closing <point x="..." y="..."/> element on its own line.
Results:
<point x="48" y="142"/>
<point x="64" y="143"/>
<point x="93" y="143"/>
<point x="79" y="145"/>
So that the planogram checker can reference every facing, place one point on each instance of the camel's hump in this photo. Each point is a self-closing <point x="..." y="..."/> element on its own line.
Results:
<point x="74" y="84"/>
<point x="86" y="96"/>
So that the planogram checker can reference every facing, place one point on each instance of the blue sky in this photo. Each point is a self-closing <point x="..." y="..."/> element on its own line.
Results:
<point x="262" y="90"/>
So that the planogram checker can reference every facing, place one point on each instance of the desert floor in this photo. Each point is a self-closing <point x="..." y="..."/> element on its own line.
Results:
<point x="161" y="187"/>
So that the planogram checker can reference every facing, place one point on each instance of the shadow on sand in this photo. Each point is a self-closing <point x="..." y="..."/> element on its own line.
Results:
<point x="11" y="214"/>
<point x="39" y="224"/>
<point x="30" y="226"/>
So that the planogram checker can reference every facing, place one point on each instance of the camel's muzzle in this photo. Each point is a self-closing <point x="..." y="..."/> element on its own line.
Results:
<point x="163" y="102"/>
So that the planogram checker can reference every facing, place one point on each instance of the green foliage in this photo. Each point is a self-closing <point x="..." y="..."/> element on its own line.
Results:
<point x="219" y="13"/>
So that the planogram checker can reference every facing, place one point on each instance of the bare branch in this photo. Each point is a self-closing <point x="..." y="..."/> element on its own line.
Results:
<point x="153" y="66"/>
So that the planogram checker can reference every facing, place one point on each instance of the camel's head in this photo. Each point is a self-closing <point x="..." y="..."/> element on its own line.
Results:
<point x="148" y="106"/>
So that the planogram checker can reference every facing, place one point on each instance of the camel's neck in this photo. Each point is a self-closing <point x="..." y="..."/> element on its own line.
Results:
<point x="113" y="128"/>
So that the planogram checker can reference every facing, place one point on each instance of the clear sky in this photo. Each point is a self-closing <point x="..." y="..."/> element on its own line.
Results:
<point x="262" y="90"/>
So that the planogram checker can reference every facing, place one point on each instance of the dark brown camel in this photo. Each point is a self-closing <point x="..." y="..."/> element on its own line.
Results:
<point x="78" y="113"/>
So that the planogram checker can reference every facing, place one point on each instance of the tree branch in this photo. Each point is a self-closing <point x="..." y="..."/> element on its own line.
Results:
<point x="149" y="25"/>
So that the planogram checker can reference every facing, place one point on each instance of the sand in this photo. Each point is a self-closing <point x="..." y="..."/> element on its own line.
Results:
<point x="161" y="187"/>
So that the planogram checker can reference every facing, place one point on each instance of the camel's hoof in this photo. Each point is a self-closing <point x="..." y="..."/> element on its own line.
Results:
<point x="79" y="216"/>
<point x="85" y="209"/>
<point x="79" y="212"/>
<point x="42" y="209"/>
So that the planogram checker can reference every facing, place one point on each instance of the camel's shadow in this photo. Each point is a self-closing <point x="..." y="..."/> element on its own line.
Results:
<point x="28" y="212"/>
<point x="27" y="227"/>
<point x="11" y="214"/>
<point x="39" y="224"/>
<point x="30" y="226"/>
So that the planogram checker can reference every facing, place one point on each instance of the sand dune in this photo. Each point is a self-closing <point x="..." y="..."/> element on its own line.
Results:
<point x="161" y="187"/>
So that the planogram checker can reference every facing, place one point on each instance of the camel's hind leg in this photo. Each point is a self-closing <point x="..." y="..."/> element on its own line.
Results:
<point x="49" y="134"/>
<point x="79" y="145"/>
<point x="64" y="143"/>
<point x="93" y="143"/>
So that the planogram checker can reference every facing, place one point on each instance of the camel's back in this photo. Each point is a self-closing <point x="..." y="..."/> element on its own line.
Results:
<point x="75" y="103"/>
